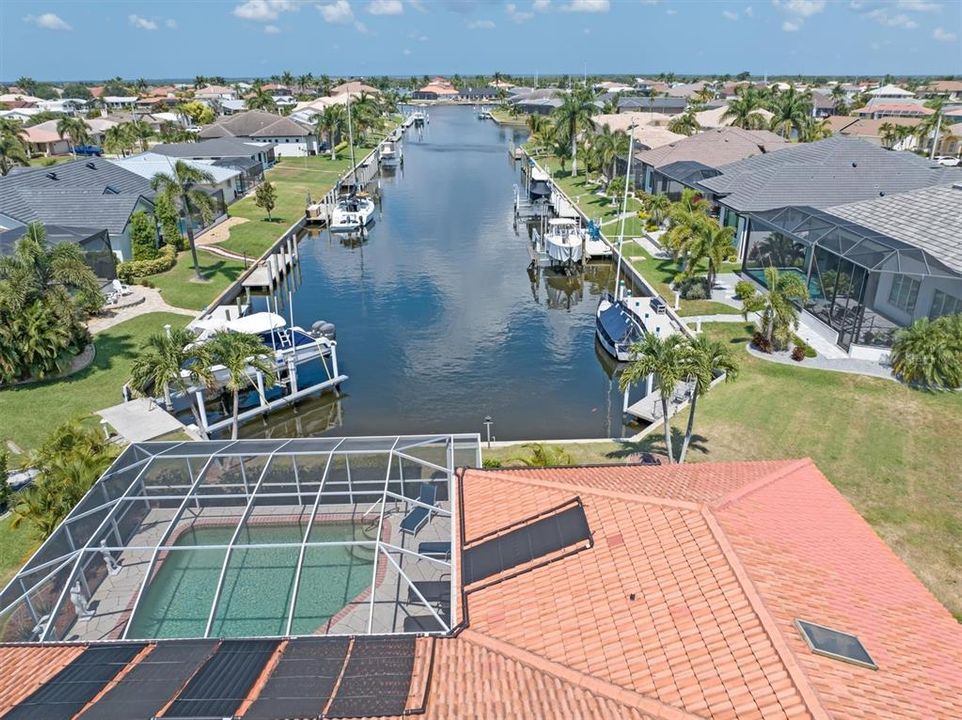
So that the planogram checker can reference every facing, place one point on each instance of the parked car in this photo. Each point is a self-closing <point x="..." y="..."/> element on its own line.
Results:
<point x="88" y="150"/>
<point x="948" y="160"/>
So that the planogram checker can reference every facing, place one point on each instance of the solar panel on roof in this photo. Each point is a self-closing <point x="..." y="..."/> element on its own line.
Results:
<point x="303" y="680"/>
<point x="533" y="540"/>
<point x="152" y="682"/>
<point x="68" y="691"/>
<point x="377" y="679"/>
<point x="835" y="644"/>
<point x="222" y="683"/>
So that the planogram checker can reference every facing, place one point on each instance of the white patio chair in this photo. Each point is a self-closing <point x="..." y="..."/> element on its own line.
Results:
<point x="120" y="288"/>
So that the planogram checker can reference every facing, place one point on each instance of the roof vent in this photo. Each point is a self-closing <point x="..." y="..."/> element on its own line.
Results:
<point x="854" y="164"/>
<point x="835" y="644"/>
<point x="52" y="175"/>
<point x="91" y="166"/>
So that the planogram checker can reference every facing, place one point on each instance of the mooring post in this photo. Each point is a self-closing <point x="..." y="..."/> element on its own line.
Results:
<point x="201" y="411"/>
<point x="260" y="389"/>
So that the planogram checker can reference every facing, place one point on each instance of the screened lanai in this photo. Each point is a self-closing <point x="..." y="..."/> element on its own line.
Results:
<point x="252" y="538"/>
<point x="863" y="284"/>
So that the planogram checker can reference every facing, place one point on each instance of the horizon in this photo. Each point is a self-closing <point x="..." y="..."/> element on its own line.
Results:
<point x="403" y="38"/>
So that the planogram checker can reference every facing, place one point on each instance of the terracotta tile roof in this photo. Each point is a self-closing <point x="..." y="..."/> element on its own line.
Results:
<point x="25" y="668"/>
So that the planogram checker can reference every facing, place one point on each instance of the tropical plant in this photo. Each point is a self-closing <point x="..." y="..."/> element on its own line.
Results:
<point x="573" y="116"/>
<point x="171" y="132"/>
<point x="265" y="197"/>
<point x="791" y="110"/>
<point x="607" y="146"/>
<point x="743" y="110"/>
<point x="118" y="140"/>
<point x="242" y="355"/>
<point x="705" y="359"/>
<point x="68" y="463"/>
<point x="685" y="124"/>
<point x="13" y="148"/>
<point x="712" y="242"/>
<point x="658" y="207"/>
<point x="888" y="134"/>
<point x="260" y="99"/>
<point x="143" y="236"/>
<point x="665" y="358"/>
<point x="141" y="132"/>
<point x="685" y="217"/>
<point x="170" y="362"/>
<point x="6" y="492"/>
<point x="165" y="213"/>
<point x="365" y="114"/>
<point x="777" y="308"/>
<point x="839" y="97"/>
<point x="541" y="455"/>
<point x="196" y="112"/>
<point x="75" y="130"/>
<point x="179" y="187"/>
<point x="814" y="130"/>
<point x="928" y="353"/>
<point x="332" y="121"/>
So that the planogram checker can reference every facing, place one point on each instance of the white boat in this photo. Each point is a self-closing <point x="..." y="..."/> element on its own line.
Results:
<point x="352" y="213"/>
<point x="291" y="344"/>
<point x="564" y="241"/>
<point x="418" y="118"/>
<point x="390" y="154"/>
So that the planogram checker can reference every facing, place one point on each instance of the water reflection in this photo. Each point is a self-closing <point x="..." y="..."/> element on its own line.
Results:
<point x="438" y="321"/>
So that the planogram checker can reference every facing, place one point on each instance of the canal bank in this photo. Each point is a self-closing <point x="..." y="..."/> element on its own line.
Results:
<point x="439" y="323"/>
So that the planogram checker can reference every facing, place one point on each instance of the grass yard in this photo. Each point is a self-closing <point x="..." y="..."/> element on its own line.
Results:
<point x="890" y="450"/>
<point x="32" y="411"/>
<point x="16" y="545"/>
<point x="178" y="289"/>
<point x="661" y="272"/>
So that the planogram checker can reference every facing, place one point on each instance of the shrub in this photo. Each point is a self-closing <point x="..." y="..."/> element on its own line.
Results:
<point x="761" y="342"/>
<point x="130" y="270"/>
<point x="745" y="290"/>
<point x="694" y="289"/>
<point x="798" y="353"/>
<point x="491" y="463"/>
<point x="143" y="237"/>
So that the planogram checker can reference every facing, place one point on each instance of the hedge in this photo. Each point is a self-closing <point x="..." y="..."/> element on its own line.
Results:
<point x="130" y="270"/>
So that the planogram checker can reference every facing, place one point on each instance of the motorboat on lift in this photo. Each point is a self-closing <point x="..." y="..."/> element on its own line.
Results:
<point x="539" y="185"/>
<point x="390" y="154"/>
<point x="290" y="344"/>
<point x="564" y="241"/>
<point x="419" y="118"/>
<point x="352" y="212"/>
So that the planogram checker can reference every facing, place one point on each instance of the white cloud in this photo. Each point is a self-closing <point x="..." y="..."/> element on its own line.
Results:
<point x="729" y="15"/>
<point x="142" y="22"/>
<point x="481" y="25"/>
<point x="541" y="5"/>
<point x="272" y="30"/>
<point x="417" y="5"/>
<point x="791" y="25"/>
<point x="385" y="7"/>
<point x="48" y="21"/>
<point x="918" y="5"/>
<point x="518" y="16"/>
<point x="898" y="20"/>
<point x="749" y="12"/>
<point x="263" y="10"/>
<point x="171" y="23"/>
<point x="797" y="11"/>
<point x="361" y="27"/>
<point x="671" y="11"/>
<point x="943" y="35"/>
<point x="588" y="6"/>
<point x="406" y="51"/>
<point x="338" y="12"/>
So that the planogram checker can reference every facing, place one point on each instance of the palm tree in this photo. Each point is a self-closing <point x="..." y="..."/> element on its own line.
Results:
<point x="287" y="79"/>
<point x="777" y="307"/>
<point x="658" y="207"/>
<point x="242" y="355"/>
<point x="13" y="150"/>
<point x="541" y="455"/>
<point x="838" y="100"/>
<point x="365" y="114"/>
<point x="743" y="109"/>
<point x="76" y="130"/>
<point x="705" y="95"/>
<point x="685" y="124"/>
<point x="607" y="146"/>
<point x="685" y="218"/>
<point x="665" y="358"/>
<point x="573" y="116"/>
<point x="931" y="125"/>
<point x="331" y="122"/>
<point x="929" y="353"/>
<point x="712" y="242"/>
<point x="814" y="130"/>
<point x="888" y="134"/>
<point x="141" y="132"/>
<point x="161" y="361"/>
<point x="179" y="187"/>
<point x="117" y="140"/>
<point x="704" y="359"/>
<point x="260" y="99"/>
<point x="791" y="110"/>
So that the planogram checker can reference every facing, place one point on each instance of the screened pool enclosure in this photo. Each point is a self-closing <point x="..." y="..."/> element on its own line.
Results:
<point x="861" y="283"/>
<point x="252" y="538"/>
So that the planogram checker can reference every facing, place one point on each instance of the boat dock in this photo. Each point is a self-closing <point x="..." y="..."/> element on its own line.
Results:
<point x="270" y="270"/>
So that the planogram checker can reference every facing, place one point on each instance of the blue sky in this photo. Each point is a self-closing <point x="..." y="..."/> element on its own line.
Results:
<point x="233" y="38"/>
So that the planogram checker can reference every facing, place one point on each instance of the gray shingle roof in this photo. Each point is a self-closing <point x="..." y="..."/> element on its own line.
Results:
<point x="207" y="149"/>
<point x="715" y="148"/>
<point x="86" y="173"/>
<point x="929" y="219"/>
<point x="829" y="172"/>
<point x="255" y="123"/>
<point x="56" y="234"/>
<point x="69" y="207"/>
<point x="655" y="104"/>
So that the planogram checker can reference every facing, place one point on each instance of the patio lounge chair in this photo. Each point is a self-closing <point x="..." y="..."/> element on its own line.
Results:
<point x="120" y="288"/>
<point x="422" y="623"/>
<point x="419" y="514"/>
<point x="438" y="550"/>
<point x="436" y="592"/>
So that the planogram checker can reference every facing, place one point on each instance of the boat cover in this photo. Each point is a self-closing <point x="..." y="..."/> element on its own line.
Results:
<point x="617" y="324"/>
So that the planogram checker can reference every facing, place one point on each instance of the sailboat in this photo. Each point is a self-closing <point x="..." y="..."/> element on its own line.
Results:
<point x="354" y="210"/>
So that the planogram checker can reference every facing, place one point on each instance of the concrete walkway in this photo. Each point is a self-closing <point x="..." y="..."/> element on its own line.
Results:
<point x="152" y="303"/>
<point x="820" y="362"/>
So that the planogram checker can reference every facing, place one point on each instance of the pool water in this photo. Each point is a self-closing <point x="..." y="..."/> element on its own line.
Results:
<point x="258" y="584"/>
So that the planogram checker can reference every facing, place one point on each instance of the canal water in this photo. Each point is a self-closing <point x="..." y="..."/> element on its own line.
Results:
<point x="439" y="322"/>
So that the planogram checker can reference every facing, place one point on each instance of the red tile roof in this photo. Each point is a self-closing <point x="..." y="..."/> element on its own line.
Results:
<point x="683" y="607"/>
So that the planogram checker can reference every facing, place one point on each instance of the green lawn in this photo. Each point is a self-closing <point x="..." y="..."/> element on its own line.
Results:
<point x="50" y="161"/>
<point x="892" y="451"/>
<point x="15" y="546"/>
<point x="661" y="272"/>
<point x="32" y="411"/>
<point x="180" y="290"/>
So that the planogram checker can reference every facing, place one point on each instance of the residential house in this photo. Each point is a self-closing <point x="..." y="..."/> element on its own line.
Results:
<point x="216" y="93"/>
<point x="438" y="89"/>
<point x="659" y="104"/>
<point x="675" y="592"/>
<point x="250" y="158"/>
<point x="871" y="130"/>
<point x="93" y="243"/>
<point x="608" y="86"/>
<point x="891" y="92"/>
<point x="532" y="101"/>
<point x="229" y="182"/>
<point x="355" y="87"/>
<point x="43" y="139"/>
<point x="119" y="102"/>
<point x="822" y="105"/>
<point x="949" y="90"/>
<point x="687" y="90"/>
<point x="289" y="137"/>
<point x="714" y="117"/>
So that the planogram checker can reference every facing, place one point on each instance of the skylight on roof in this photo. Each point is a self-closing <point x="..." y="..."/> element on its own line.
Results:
<point x="835" y="644"/>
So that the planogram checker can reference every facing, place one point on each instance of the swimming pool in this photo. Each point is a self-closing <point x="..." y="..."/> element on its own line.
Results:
<point x="258" y="583"/>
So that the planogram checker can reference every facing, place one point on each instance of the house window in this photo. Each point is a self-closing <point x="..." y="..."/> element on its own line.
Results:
<point x="944" y="304"/>
<point x="904" y="293"/>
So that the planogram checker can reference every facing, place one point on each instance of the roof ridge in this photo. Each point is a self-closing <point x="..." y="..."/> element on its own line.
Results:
<point x="601" y="492"/>
<point x="794" y="669"/>
<point x="785" y="468"/>
<point x="588" y="683"/>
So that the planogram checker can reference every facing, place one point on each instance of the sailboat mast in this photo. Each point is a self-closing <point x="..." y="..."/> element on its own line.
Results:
<point x="350" y="139"/>
<point x="624" y="210"/>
